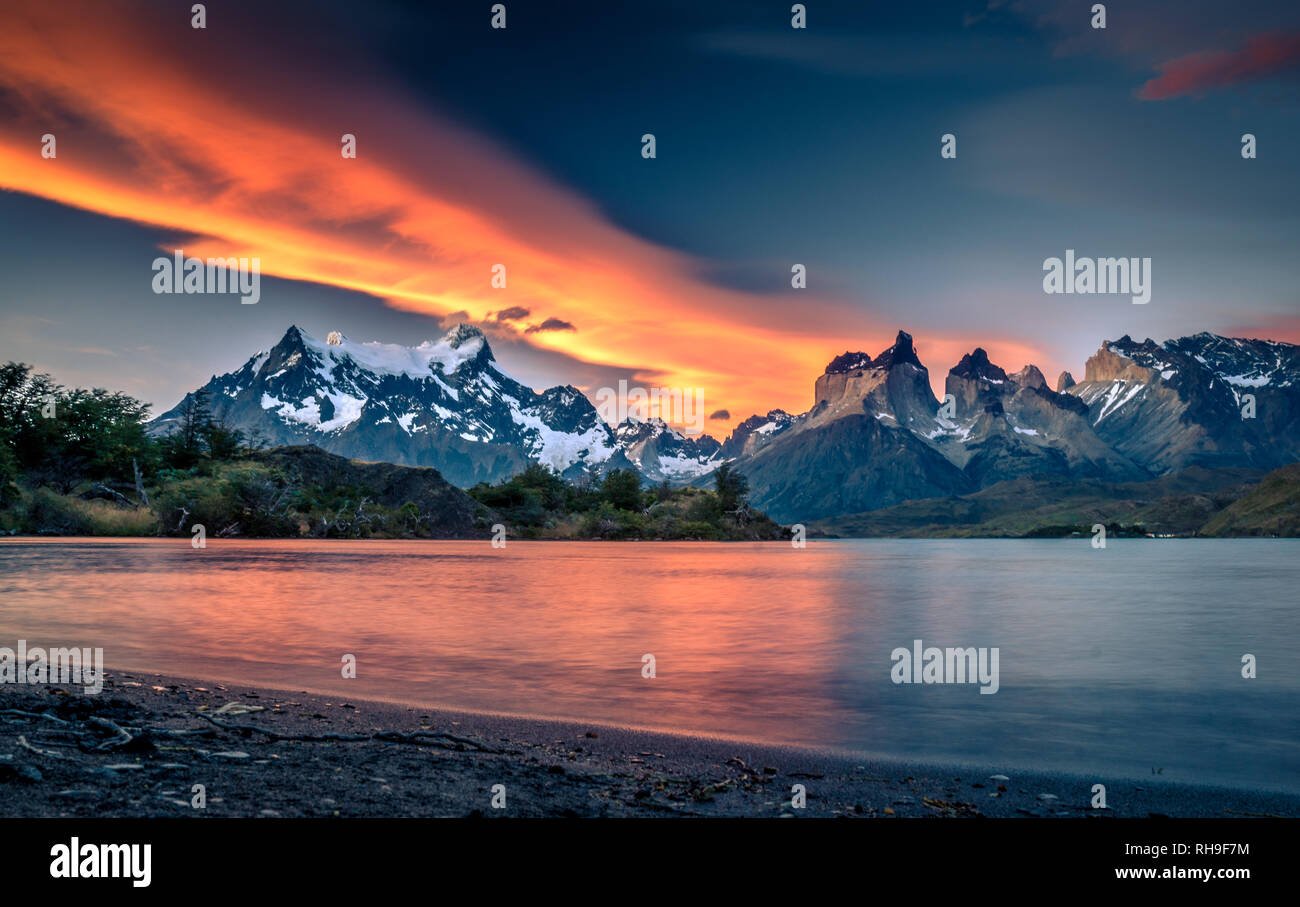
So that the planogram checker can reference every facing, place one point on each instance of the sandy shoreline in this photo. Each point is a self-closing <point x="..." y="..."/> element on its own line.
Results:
<point x="139" y="747"/>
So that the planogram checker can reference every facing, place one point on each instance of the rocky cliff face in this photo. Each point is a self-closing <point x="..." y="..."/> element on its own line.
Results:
<point x="1005" y="426"/>
<point x="1142" y="410"/>
<point x="861" y="446"/>
<point x="755" y="433"/>
<point x="1202" y="400"/>
<point x="894" y="387"/>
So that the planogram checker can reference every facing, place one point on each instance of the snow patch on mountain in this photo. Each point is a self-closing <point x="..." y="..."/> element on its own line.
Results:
<point x="1117" y="395"/>
<point x="661" y="452"/>
<point x="561" y="449"/>
<point x="446" y="355"/>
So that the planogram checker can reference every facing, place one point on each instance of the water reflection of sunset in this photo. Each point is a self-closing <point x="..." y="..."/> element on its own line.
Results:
<point x="755" y="641"/>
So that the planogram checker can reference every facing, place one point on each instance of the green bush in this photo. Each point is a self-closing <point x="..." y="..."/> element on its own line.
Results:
<point x="608" y="522"/>
<point x="622" y="489"/>
<point x="239" y="499"/>
<point x="702" y="508"/>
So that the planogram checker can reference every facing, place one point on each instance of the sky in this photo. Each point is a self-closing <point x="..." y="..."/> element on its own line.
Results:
<point x="523" y="146"/>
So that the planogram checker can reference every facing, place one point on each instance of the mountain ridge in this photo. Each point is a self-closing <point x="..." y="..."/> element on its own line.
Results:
<point x="1143" y="410"/>
<point x="447" y="404"/>
<point x="874" y="437"/>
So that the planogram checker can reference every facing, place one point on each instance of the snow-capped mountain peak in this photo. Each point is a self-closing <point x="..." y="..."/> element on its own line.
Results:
<point x="1243" y="363"/>
<point x="459" y="345"/>
<point x="662" y="453"/>
<point x="1184" y="402"/>
<point x="444" y="403"/>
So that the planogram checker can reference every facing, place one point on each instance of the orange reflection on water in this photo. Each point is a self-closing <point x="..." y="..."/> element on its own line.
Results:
<point x="542" y="629"/>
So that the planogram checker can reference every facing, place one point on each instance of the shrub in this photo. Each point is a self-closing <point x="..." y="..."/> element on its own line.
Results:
<point x="622" y="489"/>
<point x="51" y="513"/>
<point x="242" y="499"/>
<point x="698" y="529"/>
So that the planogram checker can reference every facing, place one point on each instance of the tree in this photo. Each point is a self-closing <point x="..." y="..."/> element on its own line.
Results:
<point x="104" y="432"/>
<point x="188" y="443"/>
<point x="732" y="488"/>
<point x="29" y="408"/>
<point x="257" y="439"/>
<point x="622" y="489"/>
<point x="59" y="437"/>
<point x="549" y="486"/>
<point x="223" y="442"/>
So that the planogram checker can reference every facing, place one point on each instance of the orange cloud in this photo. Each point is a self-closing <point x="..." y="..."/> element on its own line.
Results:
<point x="1261" y="57"/>
<point x="237" y="152"/>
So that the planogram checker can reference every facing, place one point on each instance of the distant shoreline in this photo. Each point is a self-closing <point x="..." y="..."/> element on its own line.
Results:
<point x="138" y="748"/>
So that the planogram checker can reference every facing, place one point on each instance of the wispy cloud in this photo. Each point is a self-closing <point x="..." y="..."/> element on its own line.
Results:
<point x="550" y="324"/>
<point x="1262" y="57"/>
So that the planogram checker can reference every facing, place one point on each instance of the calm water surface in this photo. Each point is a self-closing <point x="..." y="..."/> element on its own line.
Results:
<point x="1112" y="662"/>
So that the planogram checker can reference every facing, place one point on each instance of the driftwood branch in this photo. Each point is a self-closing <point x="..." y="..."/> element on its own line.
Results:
<point x="426" y="738"/>
<point x="19" y="713"/>
<point x="122" y="739"/>
<point x="22" y="741"/>
<point x="100" y="490"/>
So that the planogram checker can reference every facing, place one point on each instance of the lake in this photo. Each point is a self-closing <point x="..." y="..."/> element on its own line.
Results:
<point x="1112" y="662"/>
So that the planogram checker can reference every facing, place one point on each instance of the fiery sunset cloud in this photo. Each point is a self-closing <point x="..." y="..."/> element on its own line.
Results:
<point x="177" y="128"/>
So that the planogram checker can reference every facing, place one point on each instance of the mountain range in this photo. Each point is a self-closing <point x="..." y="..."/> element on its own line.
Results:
<point x="875" y="437"/>
<point x="445" y="403"/>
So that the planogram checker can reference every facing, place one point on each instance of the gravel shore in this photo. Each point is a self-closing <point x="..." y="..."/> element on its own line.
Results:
<point x="139" y="748"/>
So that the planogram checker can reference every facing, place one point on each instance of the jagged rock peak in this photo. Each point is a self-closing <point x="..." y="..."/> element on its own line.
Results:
<point x="849" y="362"/>
<point x="976" y="364"/>
<point x="1030" y="376"/>
<point x="902" y="351"/>
<point x="461" y="334"/>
